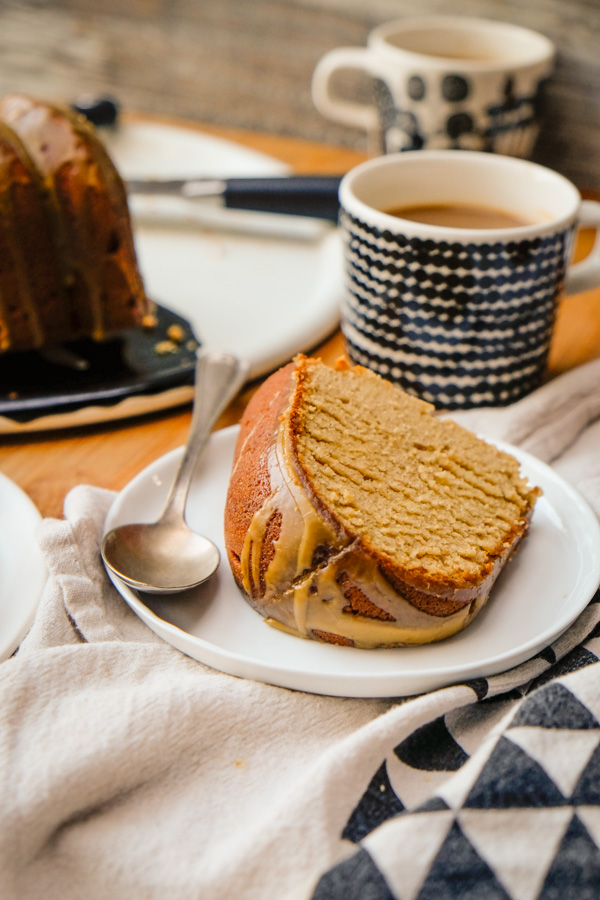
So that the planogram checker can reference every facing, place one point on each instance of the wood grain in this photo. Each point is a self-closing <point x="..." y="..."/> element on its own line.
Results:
<point x="250" y="64"/>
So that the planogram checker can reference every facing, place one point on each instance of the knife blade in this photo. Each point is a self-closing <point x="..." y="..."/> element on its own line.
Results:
<point x="314" y="196"/>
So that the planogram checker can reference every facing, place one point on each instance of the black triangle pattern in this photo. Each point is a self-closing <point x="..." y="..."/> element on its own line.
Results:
<point x="510" y="778"/>
<point x="575" y="870"/>
<point x="378" y="804"/>
<point x="432" y="748"/>
<point x="434" y="804"/>
<point x="459" y="872"/>
<point x="480" y="686"/>
<point x="578" y="658"/>
<point x="587" y="789"/>
<point x="357" y="878"/>
<point x="554" y="706"/>
<point x="548" y="655"/>
<point x="514" y="694"/>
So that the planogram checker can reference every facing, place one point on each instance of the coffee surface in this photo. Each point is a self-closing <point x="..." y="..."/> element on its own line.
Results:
<point x="454" y="215"/>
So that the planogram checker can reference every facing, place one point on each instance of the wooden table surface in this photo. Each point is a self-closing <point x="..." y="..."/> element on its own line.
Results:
<point x="47" y="465"/>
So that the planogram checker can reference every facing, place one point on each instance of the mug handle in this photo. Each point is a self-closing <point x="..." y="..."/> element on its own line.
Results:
<point x="585" y="275"/>
<point x="358" y="115"/>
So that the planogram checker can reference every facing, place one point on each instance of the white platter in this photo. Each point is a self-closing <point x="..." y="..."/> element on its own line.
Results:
<point x="22" y="567"/>
<point x="262" y="286"/>
<point x="538" y="596"/>
<point x="259" y="285"/>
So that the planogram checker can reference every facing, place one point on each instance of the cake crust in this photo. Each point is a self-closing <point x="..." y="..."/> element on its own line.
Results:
<point x="69" y="268"/>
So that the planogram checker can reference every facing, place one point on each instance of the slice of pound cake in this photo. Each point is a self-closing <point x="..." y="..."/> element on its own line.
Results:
<point x="355" y="516"/>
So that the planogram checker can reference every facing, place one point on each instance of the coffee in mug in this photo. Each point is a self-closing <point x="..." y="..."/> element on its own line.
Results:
<point x="459" y="215"/>
<point x="448" y="82"/>
<point x="460" y="315"/>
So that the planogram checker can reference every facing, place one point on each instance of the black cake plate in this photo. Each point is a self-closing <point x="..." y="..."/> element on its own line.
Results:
<point x="86" y="382"/>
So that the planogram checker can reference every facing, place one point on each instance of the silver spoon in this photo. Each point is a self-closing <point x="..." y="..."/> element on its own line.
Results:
<point x="167" y="556"/>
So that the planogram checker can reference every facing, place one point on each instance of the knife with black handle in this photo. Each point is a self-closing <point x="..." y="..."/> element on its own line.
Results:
<point x="315" y="196"/>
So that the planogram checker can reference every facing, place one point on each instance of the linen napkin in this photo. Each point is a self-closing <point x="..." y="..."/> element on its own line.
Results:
<point x="128" y="770"/>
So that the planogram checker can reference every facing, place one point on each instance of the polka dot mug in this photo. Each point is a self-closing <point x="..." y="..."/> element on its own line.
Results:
<point x="442" y="82"/>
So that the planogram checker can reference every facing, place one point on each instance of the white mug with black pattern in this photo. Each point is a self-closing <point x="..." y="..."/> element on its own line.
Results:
<point x="442" y="82"/>
<point x="459" y="311"/>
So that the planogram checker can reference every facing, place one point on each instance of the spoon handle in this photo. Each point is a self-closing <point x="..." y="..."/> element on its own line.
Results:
<point x="219" y="376"/>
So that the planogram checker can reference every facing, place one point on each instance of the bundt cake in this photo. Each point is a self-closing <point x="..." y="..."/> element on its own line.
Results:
<point x="355" y="516"/>
<point x="68" y="267"/>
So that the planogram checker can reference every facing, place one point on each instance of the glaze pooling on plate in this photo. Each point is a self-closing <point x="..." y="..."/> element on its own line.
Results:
<point x="545" y="587"/>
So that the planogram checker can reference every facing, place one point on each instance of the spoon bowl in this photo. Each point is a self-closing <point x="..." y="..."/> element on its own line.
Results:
<point x="166" y="556"/>
<point x="159" y="558"/>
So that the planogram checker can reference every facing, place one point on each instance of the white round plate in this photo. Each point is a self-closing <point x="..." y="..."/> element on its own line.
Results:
<point x="259" y="285"/>
<point x="547" y="584"/>
<point x="22" y="566"/>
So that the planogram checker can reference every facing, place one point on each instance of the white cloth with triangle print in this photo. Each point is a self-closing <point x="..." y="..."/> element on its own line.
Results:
<point x="128" y="770"/>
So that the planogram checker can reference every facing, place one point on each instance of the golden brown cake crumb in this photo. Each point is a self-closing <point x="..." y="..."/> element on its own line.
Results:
<point x="176" y="334"/>
<point x="163" y="348"/>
